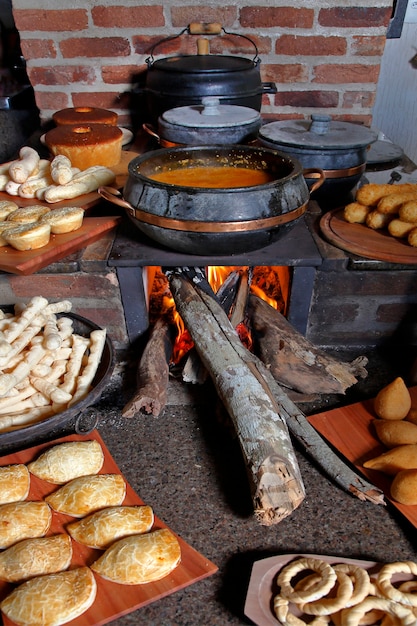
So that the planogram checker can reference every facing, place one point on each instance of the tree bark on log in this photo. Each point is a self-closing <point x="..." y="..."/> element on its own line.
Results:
<point x="153" y="373"/>
<point x="293" y="360"/>
<point x="275" y="480"/>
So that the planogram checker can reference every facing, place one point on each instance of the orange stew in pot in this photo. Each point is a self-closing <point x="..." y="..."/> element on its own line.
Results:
<point x="214" y="177"/>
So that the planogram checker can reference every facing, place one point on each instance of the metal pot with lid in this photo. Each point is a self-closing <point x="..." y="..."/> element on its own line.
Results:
<point x="338" y="148"/>
<point x="185" y="79"/>
<point x="206" y="124"/>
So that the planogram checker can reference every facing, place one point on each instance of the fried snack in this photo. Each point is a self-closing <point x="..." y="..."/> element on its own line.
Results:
<point x="404" y="487"/>
<point x="370" y="194"/>
<point x="140" y="559"/>
<point x="377" y="220"/>
<point x="400" y="229"/>
<point x="28" y="236"/>
<point x="391" y="203"/>
<point x="14" y="483"/>
<point x="393" y="433"/>
<point x="317" y="591"/>
<point x="23" y="520"/>
<point x="393" y="402"/>
<point x="34" y="557"/>
<point x="408" y="211"/>
<point x="412" y="415"/>
<point x="66" y="461"/>
<point x="88" y="494"/>
<point x="384" y="581"/>
<point x="394" y="460"/>
<point x="28" y="214"/>
<point x="412" y="238"/>
<point x="69" y="595"/>
<point x="100" y="529"/>
<point x="356" y="213"/>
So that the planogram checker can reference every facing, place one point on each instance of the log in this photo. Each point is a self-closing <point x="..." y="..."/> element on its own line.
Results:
<point x="293" y="360"/>
<point x="274" y="476"/>
<point x="152" y="373"/>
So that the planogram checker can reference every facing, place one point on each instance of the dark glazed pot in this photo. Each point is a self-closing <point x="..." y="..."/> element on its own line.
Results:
<point x="213" y="221"/>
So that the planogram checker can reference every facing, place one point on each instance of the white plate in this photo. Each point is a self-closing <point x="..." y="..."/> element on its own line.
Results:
<point x="262" y="585"/>
<point x="127" y="136"/>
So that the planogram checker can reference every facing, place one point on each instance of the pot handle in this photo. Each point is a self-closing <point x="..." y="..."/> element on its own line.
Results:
<point x="149" y="130"/>
<point x="313" y="172"/>
<point x="196" y="28"/>
<point x="115" y="197"/>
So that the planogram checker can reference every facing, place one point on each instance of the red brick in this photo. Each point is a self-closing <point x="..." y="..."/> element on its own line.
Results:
<point x="95" y="47"/>
<point x="345" y="73"/>
<point x="62" y="75"/>
<point x="318" y="99"/>
<point x="116" y="74"/>
<point x="368" y="46"/>
<point x="269" y="17"/>
<point x="237" y="45"/>
<point x="314" y="46"/>
<point x="55" y="286"/>
<point x="361" y="98"/>
<point x="355" y="17"/>
<point x="103" y="99"/>
<point x="181" y="16"/>
<point x="38" y="48"/>
<point x="126" y="17"/>
<point x="51" y="100"/>
<point x="53" y="20"/>
<point x="288" y="73"/>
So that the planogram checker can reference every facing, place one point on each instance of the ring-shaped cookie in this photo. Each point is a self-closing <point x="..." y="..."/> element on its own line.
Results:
<point x="384" y="581"/>
<point x="317" y="591"/>
<point x="360" y="579"/>
<point x="329" y="605"/>
<point x="286" y="618"/>
<point x="354" y="615"/>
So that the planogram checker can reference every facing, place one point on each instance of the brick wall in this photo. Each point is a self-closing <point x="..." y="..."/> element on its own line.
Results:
<point x="322" y="55"/>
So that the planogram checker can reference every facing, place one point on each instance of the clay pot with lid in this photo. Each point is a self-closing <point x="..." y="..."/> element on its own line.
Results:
<point x="209" y="123"/>
<point x="338" y="148"/>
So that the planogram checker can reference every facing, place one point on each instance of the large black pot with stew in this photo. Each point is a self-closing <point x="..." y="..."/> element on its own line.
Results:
<point x="183" y="80"/>
<point x="214" y="200"/>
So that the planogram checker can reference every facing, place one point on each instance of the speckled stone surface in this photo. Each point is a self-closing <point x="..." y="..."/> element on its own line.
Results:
<point x="187" y="465"/>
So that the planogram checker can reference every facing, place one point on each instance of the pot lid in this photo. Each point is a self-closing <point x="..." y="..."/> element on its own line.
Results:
<point x="319" y="133"/>
<point x="210" y="114"/>
<point x="211" y="63"/>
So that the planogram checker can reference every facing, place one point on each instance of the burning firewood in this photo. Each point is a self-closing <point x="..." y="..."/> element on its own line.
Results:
<point x="293" y="360"/>
<point x="260" y="410"/>
<point x="153" y="373"/>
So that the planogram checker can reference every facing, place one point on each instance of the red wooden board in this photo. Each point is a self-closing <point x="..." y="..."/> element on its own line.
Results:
<point x="364" y="241"/>
<point x="113" y="600"/>
<point x="349" y="430"/>
<point x="59" y="246"/>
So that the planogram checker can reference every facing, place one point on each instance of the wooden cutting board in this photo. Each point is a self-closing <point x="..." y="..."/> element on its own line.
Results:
<point x="59" y="246"/>
<point x="349" y="430"/>
<point x="364" y="241"/>
<point x="112" y="600"/>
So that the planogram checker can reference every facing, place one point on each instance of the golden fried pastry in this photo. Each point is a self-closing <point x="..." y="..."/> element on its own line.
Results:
<point x="404" y="487"/>
<point x="398" y="228"/>
<point x="412" y="238"/>
<point x="23" y="520"/>
<point x="34" y="557"/>
<point x="14" y="483"/>
<point x="87" y="494"/>
<point x="377" y="220"/>
<point x="408" y="211"/>
<point x="66" y="461"/>
<point x="28" y="214"/>
<point x="64" y="220"/>
<point x="394" y="460"/>
<point x="372" y="193"/>
<point x="51" y="600"/>
<point x="140" y="559"/>
<point x="356" y="213"/>
<point x="102" y="528"/>
<point x="393" y="433"/>
<point x="393" y="402"/>
<point x="391" y="203"/>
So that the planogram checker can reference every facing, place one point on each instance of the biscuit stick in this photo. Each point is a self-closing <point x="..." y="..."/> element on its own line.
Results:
<point x="98" y="339"/>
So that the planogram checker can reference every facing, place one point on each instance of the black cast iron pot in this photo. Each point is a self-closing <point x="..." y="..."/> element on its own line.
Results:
<point x="214" y="221"/>
<point x="183" y="80"/>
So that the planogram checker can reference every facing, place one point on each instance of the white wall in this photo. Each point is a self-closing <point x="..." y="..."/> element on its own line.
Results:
<point x="395" y="110"/>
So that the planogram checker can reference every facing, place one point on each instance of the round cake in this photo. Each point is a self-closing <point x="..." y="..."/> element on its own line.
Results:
<point x="86" y="144"/>
<point x="85" y="115"/>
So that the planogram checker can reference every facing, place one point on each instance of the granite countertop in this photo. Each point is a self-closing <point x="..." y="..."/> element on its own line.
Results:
<point x="187" y="465"/>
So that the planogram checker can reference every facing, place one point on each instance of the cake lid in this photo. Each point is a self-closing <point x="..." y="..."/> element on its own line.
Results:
<point x="321" y="132"/>
<point x="210" y="114"/>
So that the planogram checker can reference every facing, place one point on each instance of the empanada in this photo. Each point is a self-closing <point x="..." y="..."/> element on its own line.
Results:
<point x="33" y="557"/>
<point x="87" y="494"/>
<point x="51" y="600"/>
<point x="102" y="528"/>
<point x="14" y="483"/>
<point x="140" y="559"/>
<point x="23" y="520"/>
<point x="67" y="461"/>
